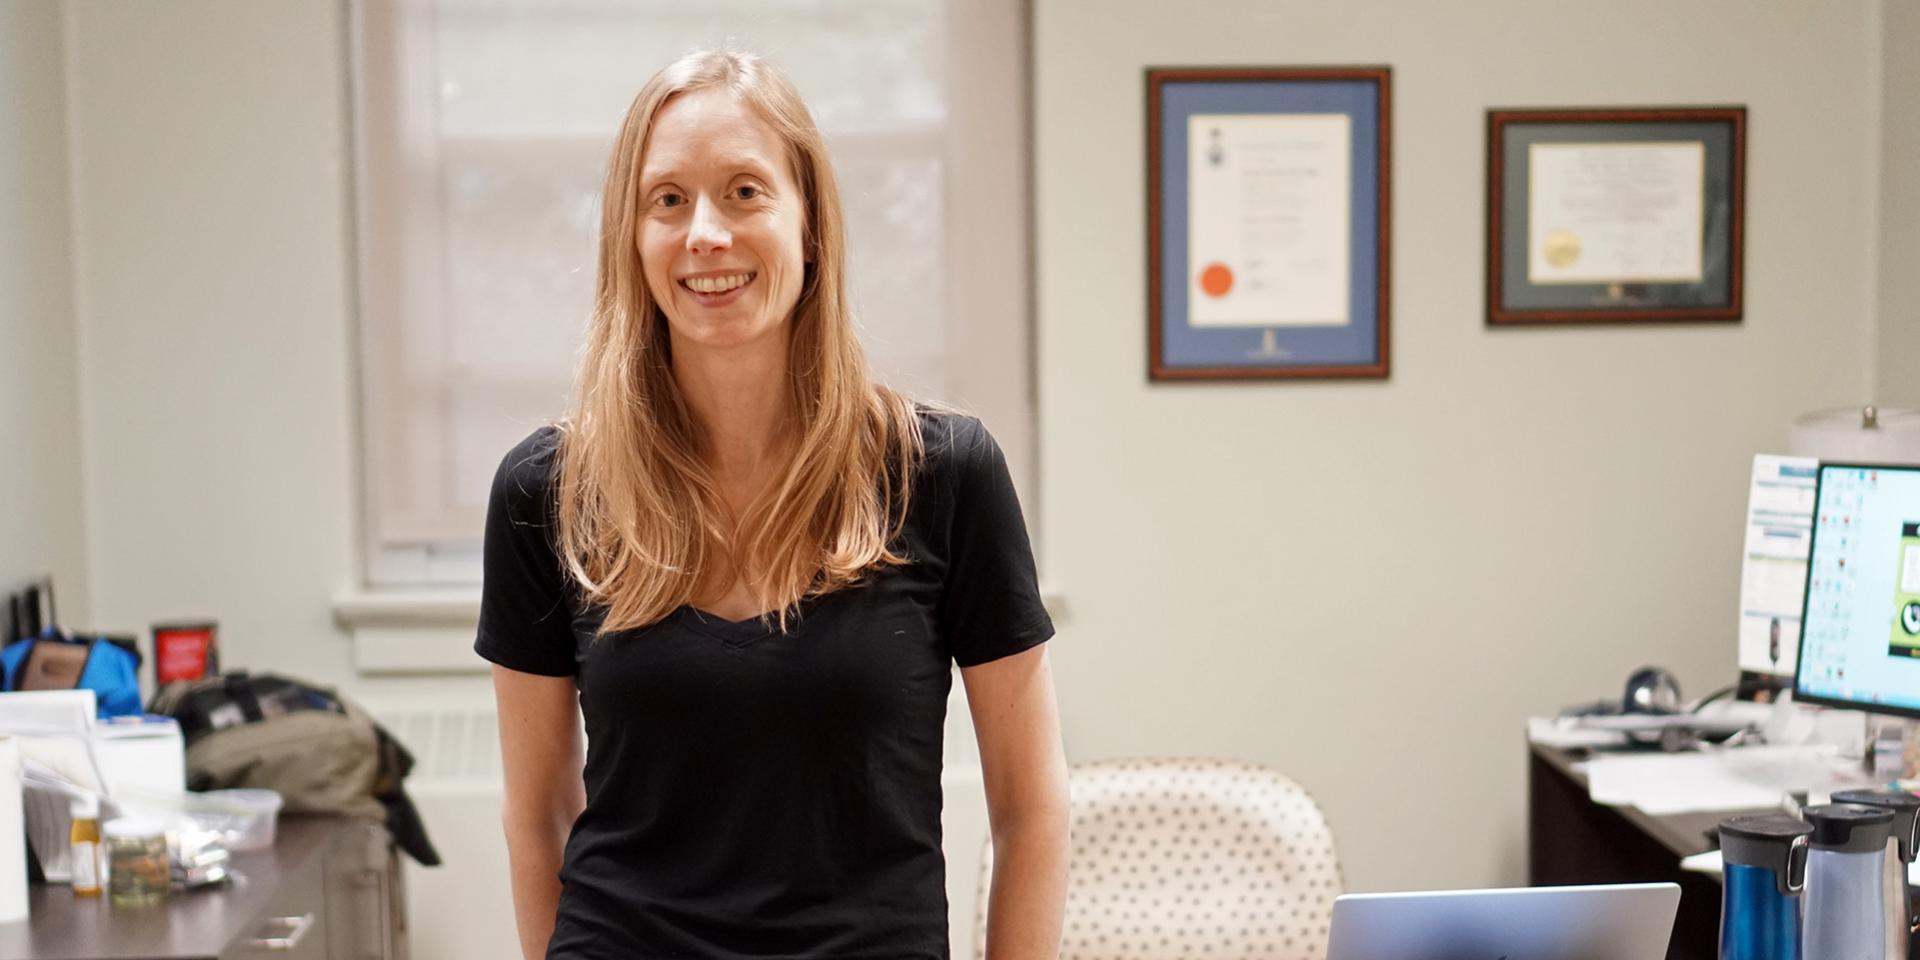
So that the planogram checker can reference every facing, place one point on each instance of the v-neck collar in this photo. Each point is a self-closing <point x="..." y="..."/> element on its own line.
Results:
<point x="733" y="633"/>
<point x="740" y="633"/>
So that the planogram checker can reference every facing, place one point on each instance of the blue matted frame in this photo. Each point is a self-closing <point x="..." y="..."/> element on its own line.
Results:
<point x="1176" y="349"/>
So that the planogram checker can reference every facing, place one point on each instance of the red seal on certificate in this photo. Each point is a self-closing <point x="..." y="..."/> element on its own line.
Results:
<point x="1216" y="280"/>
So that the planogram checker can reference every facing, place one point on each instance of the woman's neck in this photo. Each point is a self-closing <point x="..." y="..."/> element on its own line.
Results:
<point x="738" y="397"/>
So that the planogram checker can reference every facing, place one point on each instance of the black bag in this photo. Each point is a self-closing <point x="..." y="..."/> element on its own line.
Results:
<point x="322" y="753"/>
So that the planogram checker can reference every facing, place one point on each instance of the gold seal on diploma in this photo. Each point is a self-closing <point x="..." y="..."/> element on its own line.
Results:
<point x="1562" y="248"/>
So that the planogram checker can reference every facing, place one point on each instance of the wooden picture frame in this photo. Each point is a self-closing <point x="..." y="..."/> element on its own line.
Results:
<point x="1616" y="215"/>
<point x="1268" y="222"/>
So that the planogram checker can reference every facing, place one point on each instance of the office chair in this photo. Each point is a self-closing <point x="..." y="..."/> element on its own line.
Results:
<point x="1174" y="859"/>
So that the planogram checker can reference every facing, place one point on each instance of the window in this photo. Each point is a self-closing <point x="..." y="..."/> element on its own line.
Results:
<point x="482" y="132"/>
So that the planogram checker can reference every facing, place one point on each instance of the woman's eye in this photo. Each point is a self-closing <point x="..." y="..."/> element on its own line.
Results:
<point x="747" y="191"/>
<point x="669" y="200"/>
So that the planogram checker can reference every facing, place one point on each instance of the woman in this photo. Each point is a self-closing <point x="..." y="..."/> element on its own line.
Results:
<point x="750" y="568"/>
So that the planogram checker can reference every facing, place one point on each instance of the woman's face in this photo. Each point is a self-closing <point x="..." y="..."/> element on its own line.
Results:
<point x="721" y="221"/>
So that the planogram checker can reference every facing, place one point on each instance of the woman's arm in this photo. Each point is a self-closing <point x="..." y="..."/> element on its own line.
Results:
<point x="1018" y="727"/>
<point x="541" y="752"/>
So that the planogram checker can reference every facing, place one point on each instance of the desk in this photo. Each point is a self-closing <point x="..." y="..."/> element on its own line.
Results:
<point x="1571" y="839"/>
<point x="340" y="871"/>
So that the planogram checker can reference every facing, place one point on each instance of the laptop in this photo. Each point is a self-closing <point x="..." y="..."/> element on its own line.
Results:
<point x="1630" y="921"/>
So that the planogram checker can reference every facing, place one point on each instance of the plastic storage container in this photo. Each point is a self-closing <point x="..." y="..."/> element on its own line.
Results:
<point x="247" y="818"/>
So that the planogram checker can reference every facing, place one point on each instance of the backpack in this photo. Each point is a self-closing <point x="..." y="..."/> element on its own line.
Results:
<point x="52" y="661"/>
<point x="322" y="753"/>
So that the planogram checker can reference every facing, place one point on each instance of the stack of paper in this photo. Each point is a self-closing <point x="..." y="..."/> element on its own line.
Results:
<point x="1734" y="779"/>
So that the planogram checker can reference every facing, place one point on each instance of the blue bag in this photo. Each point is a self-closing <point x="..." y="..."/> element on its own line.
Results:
<point x="51" y="661"/>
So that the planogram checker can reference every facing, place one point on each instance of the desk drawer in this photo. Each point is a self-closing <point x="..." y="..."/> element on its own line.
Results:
<point x="293" y="926"/>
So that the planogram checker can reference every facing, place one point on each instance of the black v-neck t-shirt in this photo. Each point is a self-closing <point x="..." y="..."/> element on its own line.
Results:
<point x="753" y="794"/>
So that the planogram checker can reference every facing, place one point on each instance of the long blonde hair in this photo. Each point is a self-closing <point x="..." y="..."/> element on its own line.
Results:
<point x="639" y="513"/>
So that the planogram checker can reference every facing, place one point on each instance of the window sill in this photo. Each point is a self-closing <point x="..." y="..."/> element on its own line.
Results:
<point x="411" y="631"/>
<point x="431" y="631"/>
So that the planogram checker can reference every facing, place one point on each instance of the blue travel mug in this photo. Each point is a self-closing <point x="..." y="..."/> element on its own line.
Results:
<point x="1765" y="859"/>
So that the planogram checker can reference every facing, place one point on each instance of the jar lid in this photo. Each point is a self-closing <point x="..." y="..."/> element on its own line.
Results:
<point x="134" y="828"/>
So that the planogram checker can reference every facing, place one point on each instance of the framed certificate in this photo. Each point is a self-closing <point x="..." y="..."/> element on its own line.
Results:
<point x="1621" y="215"/>
<point x="1267" y="222"/>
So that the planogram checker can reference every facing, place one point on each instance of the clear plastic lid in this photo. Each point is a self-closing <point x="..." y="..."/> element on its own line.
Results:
<point x="134" y="828"/>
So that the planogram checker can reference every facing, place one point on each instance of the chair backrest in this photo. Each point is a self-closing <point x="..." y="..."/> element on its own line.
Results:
<point x="1181" y="858"/>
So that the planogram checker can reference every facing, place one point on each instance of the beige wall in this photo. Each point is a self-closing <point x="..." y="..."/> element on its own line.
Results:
<point x="1370" y="585"/>
<point x="1897" y="354"/>
<point x="41" y="529"/>
<point x="211" y="176"/>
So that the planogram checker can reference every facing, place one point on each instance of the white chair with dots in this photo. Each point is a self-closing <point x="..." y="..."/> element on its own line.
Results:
<point x="1175" y="859"/>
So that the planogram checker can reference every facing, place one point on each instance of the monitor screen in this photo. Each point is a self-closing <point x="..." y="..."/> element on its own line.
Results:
<point x="1860" y="633"/>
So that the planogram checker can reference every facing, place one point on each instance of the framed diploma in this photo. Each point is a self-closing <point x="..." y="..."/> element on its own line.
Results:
<point x="1626" y="215"/>
<point x="1267" y="222"/>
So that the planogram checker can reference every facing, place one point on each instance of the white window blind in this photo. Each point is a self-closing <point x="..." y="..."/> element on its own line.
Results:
<point x="482" y="133"/>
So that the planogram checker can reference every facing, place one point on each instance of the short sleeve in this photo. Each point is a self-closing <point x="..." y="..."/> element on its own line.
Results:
<point x="525" y="621"/>
<point x="991" y="606"/>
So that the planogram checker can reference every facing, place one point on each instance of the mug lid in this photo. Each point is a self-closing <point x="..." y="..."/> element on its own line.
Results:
<point x="1771" y="841"/>
<point x="1849" y="827"/>
<point x="1906" y="814"/>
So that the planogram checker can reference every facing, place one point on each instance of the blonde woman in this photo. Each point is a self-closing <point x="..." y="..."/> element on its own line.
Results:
<point x="750" y="568"/>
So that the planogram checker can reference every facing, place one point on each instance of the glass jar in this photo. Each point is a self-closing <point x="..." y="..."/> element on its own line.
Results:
<point x="138" y="874"/>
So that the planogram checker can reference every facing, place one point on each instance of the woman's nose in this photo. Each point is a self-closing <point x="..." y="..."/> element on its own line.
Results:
<point x="707" y="232"/>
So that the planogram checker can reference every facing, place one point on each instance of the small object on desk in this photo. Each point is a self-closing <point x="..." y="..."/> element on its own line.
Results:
<point x="1766" y="870"/>
<point x="245" y="816"/>
<point x="138" y="872"/>
<point x="200" y="857"/>
<point x="84" y="836"/>
<point x="186" y="650"/>
<point x="1845" y="912"/>
<point x="1889" y="758"/>
<point x="1652" y="690"/>
<point x="1898" y="858"/>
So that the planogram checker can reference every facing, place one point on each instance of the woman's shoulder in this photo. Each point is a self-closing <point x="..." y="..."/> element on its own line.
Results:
<point x="957" y="449"/>
<point x="948" y="435"/>
<point x="525" y="474"/>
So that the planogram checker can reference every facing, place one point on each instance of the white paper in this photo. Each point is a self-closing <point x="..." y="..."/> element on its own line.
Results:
<point x="1737" y="779"/>
<point x="1714" y="862"/>
<point x="1268" y="222"/>
<point x="1569" y="732"/>
<point x="13" y="836"/>
<point x="1615" y="212"/>
<point x="1773" y="574"/>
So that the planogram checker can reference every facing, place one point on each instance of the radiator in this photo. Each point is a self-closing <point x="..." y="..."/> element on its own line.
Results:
<point x="463" y="909"/>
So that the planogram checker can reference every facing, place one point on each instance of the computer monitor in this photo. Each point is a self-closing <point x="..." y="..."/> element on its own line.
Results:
<point x="1860" y="630"/>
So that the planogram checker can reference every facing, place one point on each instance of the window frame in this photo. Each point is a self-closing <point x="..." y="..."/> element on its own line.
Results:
<point x="987" y="185"/>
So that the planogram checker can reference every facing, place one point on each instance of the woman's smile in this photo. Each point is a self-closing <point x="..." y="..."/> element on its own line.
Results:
<point x="717" y="290"/>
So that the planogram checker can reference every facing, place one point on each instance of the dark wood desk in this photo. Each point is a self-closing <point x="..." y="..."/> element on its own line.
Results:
<point x="340" y="872"/>
<point x="1571" y="839"/>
